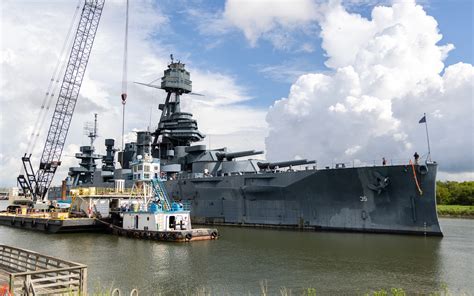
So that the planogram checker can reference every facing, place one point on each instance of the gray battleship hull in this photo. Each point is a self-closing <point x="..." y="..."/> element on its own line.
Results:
<point x="383" y="199"/>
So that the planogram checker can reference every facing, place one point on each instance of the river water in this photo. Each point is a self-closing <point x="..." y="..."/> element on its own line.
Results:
<point x="244" y="259"/>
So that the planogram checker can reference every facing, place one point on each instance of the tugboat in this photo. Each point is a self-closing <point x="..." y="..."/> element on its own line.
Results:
<point x="150" y="214"/>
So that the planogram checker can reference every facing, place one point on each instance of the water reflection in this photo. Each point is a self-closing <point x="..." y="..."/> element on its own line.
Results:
<point x="242" y="258"/>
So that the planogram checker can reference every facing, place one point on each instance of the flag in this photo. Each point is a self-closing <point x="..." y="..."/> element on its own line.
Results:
<point x="423" y="119"/>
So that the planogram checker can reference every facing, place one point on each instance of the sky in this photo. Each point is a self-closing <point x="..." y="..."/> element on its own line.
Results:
<point x="333" y="81"/>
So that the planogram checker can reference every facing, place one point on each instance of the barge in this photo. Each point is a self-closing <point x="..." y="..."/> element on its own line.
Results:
<point x="50" y="222"/>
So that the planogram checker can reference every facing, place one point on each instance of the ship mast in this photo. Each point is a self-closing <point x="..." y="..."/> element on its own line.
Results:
<point x="175" y="128"/>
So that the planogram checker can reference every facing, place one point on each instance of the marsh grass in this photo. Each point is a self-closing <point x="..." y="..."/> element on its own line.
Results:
<point x="283" y="291"/>
<point x="455" y="211"/>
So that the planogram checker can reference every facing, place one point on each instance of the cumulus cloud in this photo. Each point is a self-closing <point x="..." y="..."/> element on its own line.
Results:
<point x="386" y="72"/>
<point x="255" y="18"/>
<point x="276" y="21"/>
<point x="31" y="37"/>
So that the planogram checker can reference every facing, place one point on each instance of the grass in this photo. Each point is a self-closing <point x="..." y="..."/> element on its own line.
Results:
<point x="283" y="291"/>
<point x="456" y="211"/>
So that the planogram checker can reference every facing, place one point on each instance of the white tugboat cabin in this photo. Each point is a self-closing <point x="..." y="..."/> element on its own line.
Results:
<point x="156" y="219"/>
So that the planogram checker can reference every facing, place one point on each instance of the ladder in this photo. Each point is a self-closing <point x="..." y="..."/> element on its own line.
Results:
<point x="159" y="192"/>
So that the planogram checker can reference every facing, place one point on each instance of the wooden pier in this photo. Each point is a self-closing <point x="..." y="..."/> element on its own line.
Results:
<point x="24" y="272"/>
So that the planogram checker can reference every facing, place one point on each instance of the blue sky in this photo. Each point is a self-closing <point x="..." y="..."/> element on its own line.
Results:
<point x="274" y="73"/>
<point x="234" y="55"/>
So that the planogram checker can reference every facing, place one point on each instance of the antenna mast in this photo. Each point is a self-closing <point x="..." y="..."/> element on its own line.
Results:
<point x="124" y="75"/>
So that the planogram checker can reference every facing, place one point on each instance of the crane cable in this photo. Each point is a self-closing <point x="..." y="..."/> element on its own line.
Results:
<point x="50" y="92"/>
<point x="124" y="75"/>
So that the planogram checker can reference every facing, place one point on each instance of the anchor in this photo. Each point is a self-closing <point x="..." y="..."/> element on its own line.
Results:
<point x="380" y="184"/>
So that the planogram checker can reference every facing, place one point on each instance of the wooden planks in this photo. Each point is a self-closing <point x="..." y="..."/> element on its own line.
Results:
<point x="27" y="273"/>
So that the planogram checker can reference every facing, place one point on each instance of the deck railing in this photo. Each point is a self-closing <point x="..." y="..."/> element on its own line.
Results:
<point x="31" y="273"/>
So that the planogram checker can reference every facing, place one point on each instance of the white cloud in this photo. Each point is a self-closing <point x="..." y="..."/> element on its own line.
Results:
<point x="270" y="19"/>
<point x="287" y="71"/>
<point x="386" y="71"/>
<point x="31" y="37"/>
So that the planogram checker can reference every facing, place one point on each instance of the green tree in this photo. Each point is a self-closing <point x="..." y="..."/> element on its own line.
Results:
<point x="455" y="193"/>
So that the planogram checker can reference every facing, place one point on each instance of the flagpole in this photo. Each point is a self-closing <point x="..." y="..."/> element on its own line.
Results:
<point x="427" y="138"/>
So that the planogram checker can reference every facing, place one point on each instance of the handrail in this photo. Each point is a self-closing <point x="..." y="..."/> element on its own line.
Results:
<point x="31" y="273"/>
<point x="23" y="251"/>
<point x="36" y="272"/>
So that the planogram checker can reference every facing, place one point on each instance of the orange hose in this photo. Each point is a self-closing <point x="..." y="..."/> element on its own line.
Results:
<point x="416" y="179"/>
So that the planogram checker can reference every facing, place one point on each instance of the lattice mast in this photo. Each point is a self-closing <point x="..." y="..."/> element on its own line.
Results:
<point x="38" y="184"/>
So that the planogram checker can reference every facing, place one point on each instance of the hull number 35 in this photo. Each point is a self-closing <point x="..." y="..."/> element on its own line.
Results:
<point x="363" y="198"/>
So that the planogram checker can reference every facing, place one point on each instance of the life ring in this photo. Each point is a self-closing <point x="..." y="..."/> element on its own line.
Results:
<point x="214" y="235"/>
<point x="423" y="169"/>
<point x="188" y="236"/>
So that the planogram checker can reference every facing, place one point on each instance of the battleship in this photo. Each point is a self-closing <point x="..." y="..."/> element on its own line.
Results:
<point x="232" y="188"/>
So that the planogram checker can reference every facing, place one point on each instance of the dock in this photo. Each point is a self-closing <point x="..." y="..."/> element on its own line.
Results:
<point x="24" y="272"/>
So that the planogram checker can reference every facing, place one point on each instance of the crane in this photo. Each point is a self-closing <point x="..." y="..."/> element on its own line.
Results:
<point x="36" y="184"/>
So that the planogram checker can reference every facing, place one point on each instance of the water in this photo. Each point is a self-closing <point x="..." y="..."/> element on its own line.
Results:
<point x="238" y="263"/>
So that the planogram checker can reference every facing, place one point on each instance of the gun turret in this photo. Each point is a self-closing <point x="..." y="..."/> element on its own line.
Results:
<point x="273" y="165"/>
<point x="231" y="155"/>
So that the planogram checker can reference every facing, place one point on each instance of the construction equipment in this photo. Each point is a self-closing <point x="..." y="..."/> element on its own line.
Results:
<point x="36" y="184"/>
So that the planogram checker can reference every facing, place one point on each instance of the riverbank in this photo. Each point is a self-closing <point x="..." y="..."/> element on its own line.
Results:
<point x="456" y="211"/>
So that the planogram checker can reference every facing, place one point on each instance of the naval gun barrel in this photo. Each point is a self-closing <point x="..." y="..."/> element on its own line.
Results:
<point x="231" y="155"/>
<point x="282" y="164"/>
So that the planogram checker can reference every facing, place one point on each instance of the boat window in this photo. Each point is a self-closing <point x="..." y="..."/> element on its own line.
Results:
<point x="147" y="176"/>
<point x="140" y="167"/>
<point x="172" y="224"/>
<point x="147" y="168"/>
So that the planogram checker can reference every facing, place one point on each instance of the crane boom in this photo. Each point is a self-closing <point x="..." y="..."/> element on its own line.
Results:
<point x="37" y="184"/>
